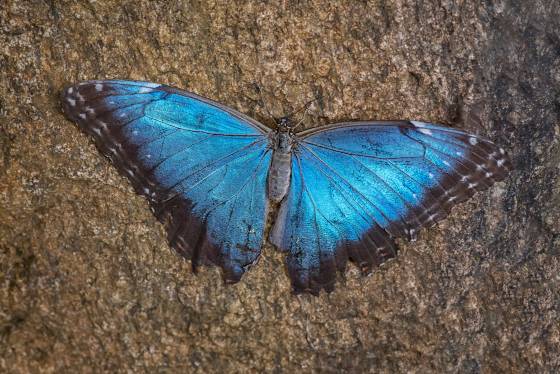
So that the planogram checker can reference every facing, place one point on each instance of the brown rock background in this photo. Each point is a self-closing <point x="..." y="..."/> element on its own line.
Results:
<point x="88" y="283"/>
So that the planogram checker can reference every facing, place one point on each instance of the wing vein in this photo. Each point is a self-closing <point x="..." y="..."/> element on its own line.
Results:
<point x="237" y="151"/>
<point x="334" y="149"/>
<point x="173" y="124"/>
<point x="354" y="189"/>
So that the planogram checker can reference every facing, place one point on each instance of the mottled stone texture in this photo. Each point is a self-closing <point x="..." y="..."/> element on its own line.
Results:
<point x="88" y="284"/>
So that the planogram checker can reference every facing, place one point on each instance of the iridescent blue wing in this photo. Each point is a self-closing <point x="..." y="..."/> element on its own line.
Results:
<point x="201" y="166"/>
<point x="357" y="186"/>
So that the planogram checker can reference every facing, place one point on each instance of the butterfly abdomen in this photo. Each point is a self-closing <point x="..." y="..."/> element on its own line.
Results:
<point x="280" y="168"/>
<point x="279" y="176"/>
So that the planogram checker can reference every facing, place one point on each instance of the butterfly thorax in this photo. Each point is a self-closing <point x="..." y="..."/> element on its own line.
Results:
<point x="280" y="169"/>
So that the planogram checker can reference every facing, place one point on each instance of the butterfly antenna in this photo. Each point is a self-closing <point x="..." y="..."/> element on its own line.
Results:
<point x="301" y="120"/>
<point x="306" y="109"/>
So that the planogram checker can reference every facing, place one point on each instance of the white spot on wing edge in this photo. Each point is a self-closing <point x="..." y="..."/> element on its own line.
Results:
<point x="150" y="85"/>
<point x="98" y="87"/>
<point x="145" y="90"/>
<point x="82" y="115"/>
<point x="71" y="101"/>
<point x="419" y="124"/>
<point x="473" y="140"/>
<point x="425" y="131"/>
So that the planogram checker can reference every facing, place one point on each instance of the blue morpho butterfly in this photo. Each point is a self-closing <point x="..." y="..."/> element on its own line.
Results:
<point x="344" y="191"/>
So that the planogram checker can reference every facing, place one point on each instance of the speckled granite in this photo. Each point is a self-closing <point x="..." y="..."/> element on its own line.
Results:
<point x="88" y="283"/>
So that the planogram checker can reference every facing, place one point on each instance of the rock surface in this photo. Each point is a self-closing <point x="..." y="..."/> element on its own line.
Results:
<point x="88" y="284"/>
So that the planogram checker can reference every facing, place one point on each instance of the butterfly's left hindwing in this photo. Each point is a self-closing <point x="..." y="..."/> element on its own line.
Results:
<point x="357" y="186"/>
<point x="202" y="166"/>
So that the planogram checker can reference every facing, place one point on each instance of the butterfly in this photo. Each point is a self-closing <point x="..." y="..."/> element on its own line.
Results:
<point x="342" y="192"/>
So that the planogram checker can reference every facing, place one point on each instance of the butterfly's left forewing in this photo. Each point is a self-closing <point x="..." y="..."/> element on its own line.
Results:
<point x="201" y="166"/>
<point x="357" y="186"/>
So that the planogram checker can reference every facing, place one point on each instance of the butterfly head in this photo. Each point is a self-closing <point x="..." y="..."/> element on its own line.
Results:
<point x="285" y="124"/>
<point x="283" y="138"/>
